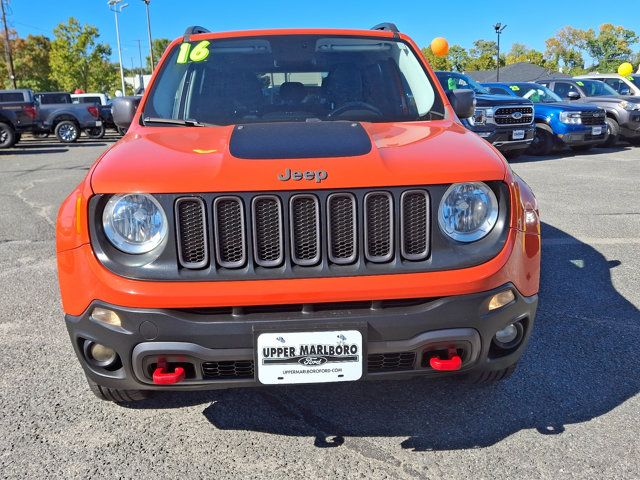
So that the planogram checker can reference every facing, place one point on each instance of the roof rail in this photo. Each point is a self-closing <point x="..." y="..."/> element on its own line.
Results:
<point x="387" y="26"/>
<point x="194" y="30"/>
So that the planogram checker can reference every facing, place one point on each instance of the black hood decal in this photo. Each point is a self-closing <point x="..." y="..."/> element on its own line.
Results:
<point x="299" y="140"/>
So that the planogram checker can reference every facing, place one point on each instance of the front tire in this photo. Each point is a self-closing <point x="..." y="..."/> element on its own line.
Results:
<point x="614" y="132"/>
<point x="116" y="395"/>
<point x="542" y="143"/>
<point x="67" y="131"/>
<point x="8" y="136"/>
<point x="513" y="154"/>
<point x="96" y="132"/>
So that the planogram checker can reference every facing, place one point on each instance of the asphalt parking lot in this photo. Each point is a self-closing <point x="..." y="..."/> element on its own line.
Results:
<point x="570" y="411"/>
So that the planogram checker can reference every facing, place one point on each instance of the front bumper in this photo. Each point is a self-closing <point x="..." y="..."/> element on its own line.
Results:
<point x="630" y="124"/>
<point x="503" y="137"/>
<point x="574" y="139"/>
<point x="199" y="339"/>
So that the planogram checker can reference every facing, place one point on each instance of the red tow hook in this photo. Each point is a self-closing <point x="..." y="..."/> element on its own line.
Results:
<point x="454" y="362"/>
<point x="162" y="377"/>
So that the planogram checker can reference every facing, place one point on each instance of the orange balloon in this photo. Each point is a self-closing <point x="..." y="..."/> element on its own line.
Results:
<point x="440" y="47"/>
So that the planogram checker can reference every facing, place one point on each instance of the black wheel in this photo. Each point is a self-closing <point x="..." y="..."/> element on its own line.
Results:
<point x="489" y="376"/>
<point x="613" y="129"/>
<point x="67" y="131"/>
<point x="116" y="395"/>
<point x="542" y="143"/>
<point x="95" y="132"/>
<point x="581" y="148"/>
<point x="41" y="134"/>
<point x="18" y="137"/>
<point x="634" y="141"/>
<point x="8" y="136"/>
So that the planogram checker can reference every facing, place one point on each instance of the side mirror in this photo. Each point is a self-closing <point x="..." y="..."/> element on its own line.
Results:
<point x="573" y="95"/>
<point x="123" y="110"/>
<point x="463" y="102"/>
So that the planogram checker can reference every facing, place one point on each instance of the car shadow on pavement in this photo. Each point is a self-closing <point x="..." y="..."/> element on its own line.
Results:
<point x="568" y="153"/>
<point x="581" y="363"/>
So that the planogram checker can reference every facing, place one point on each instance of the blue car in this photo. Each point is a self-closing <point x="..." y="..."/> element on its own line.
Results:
<point x="558" y="124"/>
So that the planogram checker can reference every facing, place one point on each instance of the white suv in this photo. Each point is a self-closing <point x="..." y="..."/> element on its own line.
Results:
<point x="623" y="85"/>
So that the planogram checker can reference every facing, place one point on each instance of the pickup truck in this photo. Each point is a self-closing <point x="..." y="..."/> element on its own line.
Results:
<point x="558" y="124"/>
<point x="104" y="104"/>
<point x="623" y="112"/>
<point x="59" y="115"/>
<point x="17" y="115"/>
<point x="504" y="121"/>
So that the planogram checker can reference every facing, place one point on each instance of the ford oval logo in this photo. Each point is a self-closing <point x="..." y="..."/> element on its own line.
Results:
<point x="516" y="115"/>
<point x="310" y="361"/>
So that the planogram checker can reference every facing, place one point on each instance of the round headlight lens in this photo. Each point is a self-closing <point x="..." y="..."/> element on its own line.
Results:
<point x="468" y="211"/>
<point x="134" y="223"/>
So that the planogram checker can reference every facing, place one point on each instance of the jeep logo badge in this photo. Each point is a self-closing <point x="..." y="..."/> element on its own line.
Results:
<point x="310" y="175"/>
<point x="516" y="115"/>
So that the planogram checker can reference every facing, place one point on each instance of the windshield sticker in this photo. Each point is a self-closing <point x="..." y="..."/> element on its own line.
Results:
<point x="451" y="83"/>
<point x="199" y="53"/>
<point x="580" y="83"/>
<point x="515" y="88"/>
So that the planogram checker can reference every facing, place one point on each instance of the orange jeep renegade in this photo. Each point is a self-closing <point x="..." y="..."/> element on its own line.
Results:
<point x="296" y="206"/>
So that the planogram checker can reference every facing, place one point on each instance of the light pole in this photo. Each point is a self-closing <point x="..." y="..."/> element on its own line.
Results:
<point x="147" y="2"/>
<point x="7" y="48"/>
<point x="498" y="27"/>
<point x="116" y="8"/>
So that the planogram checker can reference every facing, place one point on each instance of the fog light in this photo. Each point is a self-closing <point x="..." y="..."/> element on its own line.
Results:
<point x="501" y="299"/>
<point x="101" y="355"/>
<point x="510" y="336"/>
<point x="106" y="316"/>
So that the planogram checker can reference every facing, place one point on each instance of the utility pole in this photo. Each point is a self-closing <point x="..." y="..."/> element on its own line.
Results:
<point x="7" y="47"/>
<point x="141" y="66"/>
<point x="116" y="9"/>
<point x="498" y="27"/>
<point x="147" y="2"/>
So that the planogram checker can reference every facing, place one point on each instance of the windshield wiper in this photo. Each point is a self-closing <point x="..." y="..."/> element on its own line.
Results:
<point x="174" y="121"/>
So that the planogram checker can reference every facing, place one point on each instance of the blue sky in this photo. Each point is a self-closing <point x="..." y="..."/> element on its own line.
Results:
<point x="529" y="22"/>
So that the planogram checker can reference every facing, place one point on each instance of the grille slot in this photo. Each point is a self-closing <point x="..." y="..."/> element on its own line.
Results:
<point x="341" y="228"/>
<point x="267" y="230"/>
<point x="378" y="227"/>
<point x="305" y="229"/>
<point x="589" y="118"/>
<point x="230" y="234"/>
<point x="227" y="369"/>
<point x="390" y="362"/>
<point x="191" y="232"/>
<point x="414" y="225"/>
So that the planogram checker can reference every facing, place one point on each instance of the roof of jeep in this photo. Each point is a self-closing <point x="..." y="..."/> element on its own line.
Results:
<point x="294" y="31"/>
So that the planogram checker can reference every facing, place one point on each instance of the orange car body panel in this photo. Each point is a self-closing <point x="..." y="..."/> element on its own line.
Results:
<point x="198" y="160"/>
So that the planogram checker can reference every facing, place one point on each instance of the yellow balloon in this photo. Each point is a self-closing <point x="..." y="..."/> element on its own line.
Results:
<point x="440" y="47"/>
<point x="625" y="69"/>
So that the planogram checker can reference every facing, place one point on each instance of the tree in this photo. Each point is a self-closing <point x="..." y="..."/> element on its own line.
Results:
<point x="32" y="63"/>
<point x="5" y="81"/>
<point x="610" y="47"/>
<point x="159" y="46"/>
<point x="521" y="53"/>
<point x="437" y="63"/>
<point x="458" y="57"/>
<point x="483" y="55"/>
<point x="77" y="61"/>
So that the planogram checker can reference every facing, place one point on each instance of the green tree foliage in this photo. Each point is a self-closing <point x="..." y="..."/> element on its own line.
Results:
<point x="483" y="55"/>
<point x="78" y="61"/>
<point x="159" y="46"/>
<point x="31" y="62"/>
<point x="456" y="59"/>
<point x="521" y="53"/>
<point x="610" y="46"/>
<point x="437" y="63"/>
<point x="5" y="81"/>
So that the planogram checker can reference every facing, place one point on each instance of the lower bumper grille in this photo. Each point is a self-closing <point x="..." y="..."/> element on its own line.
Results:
<point x="243" y="369"/>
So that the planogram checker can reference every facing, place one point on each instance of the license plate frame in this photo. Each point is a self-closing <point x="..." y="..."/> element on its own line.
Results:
<point x="308" y="366"/>
<point x="597" y="130"/>
<point x="518" y="135"/>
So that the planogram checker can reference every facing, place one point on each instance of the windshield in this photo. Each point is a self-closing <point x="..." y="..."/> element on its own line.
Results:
<point x="292" y="78"/>
<point x="635" y="79"/>
<point x="453" y="81"/>
<point x="534" y="92"/>
<point x="595" y="88"/>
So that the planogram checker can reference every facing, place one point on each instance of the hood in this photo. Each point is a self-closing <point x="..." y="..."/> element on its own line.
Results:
<point x="612" y="99"/>
<point x="565" y="107"/>
<point x="200" y="159"/>
<point x="483" y="100"/>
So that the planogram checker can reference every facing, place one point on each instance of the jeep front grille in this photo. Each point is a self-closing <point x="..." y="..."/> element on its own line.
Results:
<point x="304" y="231"/>
<point x="513" y="115"/>
<point x="192" y="232"/>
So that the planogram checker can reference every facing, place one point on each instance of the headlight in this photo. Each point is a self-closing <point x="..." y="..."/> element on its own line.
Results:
<point x="468" y="211"/>
<point x="572" y="118"/>
<point x="630" y="106"/>
<point x="134" y="223"/>
<point x="480" y="116"/>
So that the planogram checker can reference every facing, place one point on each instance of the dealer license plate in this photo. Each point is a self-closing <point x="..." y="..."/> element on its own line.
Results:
<point x="596" y="130"/>
<point x="309" y="357"/>
<point x="98" y="123"/>
<point x="518" y="134"/>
